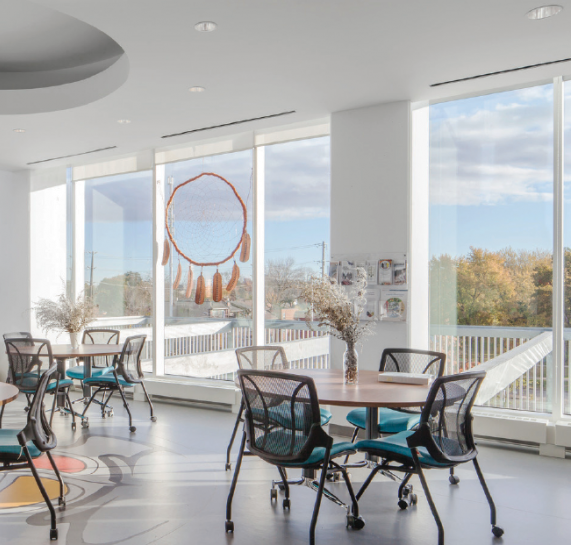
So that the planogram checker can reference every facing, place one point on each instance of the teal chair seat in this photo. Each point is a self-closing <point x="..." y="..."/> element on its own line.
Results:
<point x="396" y="446"/>
<point x="280" y="441"/>
<point x="29" y="384"/>
<point x="102" y="380"/>
<point x="10" y="449"/>
<point x="78" y="372"/>
<point x="390" y="421"/>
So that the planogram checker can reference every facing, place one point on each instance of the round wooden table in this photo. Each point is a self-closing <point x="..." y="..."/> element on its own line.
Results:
<point x="369" y="393"/>
<point x="8" y="393"/>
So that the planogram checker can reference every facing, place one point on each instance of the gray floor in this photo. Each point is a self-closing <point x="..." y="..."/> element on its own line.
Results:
<point x="166" y="484"/>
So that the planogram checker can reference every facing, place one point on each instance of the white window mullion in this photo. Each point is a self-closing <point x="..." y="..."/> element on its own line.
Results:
<point x="558" y="249"/>
<point x="158" y="320"/>
<point x="258" y="246"/>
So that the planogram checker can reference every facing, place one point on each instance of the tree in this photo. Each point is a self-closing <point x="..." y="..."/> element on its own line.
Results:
<point x="283" y="281"/>
<point x="124" y="295"/>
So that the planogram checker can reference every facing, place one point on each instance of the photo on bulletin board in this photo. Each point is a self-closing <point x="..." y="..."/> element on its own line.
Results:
<point x="393" y="305"/>
<point x="347" y="273"/>
<point x="385" y="272"/>
<point x="371" y="310"/>
<point x="399" y="272"/>
<point x="334" y="267"/>
<point x="370" y="270"/>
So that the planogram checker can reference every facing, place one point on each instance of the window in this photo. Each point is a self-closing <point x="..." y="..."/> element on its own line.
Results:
<point x="297" y="211"/>
<point x="491" y="234"/>
<point x="200" y="339"/>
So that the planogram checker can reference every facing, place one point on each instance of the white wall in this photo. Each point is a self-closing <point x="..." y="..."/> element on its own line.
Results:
<point x="48" y="238"/>
<point x="370" y="172"/>
<point x="15" y="252"/>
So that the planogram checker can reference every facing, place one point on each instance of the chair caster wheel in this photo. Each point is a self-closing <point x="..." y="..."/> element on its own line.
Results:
<point x="103" y="415"/>
<point x="53" y="534"/>
<point x="333" y="477"/>
<point x="132" y="428"/>
<point x="73" y="426"/>
<point x="274" y="494"/>
<point x="229" y="527"/>
<point x="62" y="503"/>
<point x="497" y="531"/>
<point x="356" y="523"/>
<point x="281" y="487"/>
<point x="85" y="423"/>
<point x="26" y="409"/>
<point x="453" y="479"/>
<point x="228" y="467"/>
<point x="403" y="504"/>
<point x="153" y="418"/>
<point x="110" y="413"/>
<point x="287" y="504"/>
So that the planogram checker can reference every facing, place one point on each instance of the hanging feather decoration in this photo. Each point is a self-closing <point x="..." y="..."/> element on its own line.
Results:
<point x="234" y="280"/>
<point x="166" y="252"/>
<point x="245" y="253"/>
<point x="217" y="288"/>
<point x="200" y="289"/>
<point x="189" y="281"/>
<point x="176" y="282"/>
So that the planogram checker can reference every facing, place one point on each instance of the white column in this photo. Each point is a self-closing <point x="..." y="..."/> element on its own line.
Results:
<point x="259" y="295"/>
<point x="158" y="271"/>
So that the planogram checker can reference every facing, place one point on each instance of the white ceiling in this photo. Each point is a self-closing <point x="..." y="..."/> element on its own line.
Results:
<point x="270" y="56"/>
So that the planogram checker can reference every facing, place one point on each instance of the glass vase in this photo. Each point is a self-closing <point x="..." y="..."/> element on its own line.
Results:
<point x="74" y="340"/>
<point x="350" y="365"/>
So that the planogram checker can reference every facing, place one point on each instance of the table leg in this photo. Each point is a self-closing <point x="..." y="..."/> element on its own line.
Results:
<point x="87" y="374"/>
<point x="372" y="428"/>
<point x="61" y="373"/>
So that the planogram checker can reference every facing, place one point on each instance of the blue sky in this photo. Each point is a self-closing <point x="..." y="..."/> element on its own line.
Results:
<point x="491" y="172"/>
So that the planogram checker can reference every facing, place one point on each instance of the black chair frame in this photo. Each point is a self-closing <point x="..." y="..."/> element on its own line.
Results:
<point x="121" y="369"/>
<point x="317" y="437"/>
<point x="38" y="431"/>
<point x="423" y="437"/>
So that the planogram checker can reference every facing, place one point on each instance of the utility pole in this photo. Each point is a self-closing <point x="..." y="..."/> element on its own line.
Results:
<point x="91" y="269"/>
<point x="323" y="246"/>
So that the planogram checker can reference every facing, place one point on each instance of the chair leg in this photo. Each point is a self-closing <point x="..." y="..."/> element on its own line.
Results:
<point x="355" y="433"/>
<point x="283" y="475"/>
<point x="367" y="482"/>
<point x="153" y="417"/>
<point x="453" y="479"/>
<point x="59" y="477"/>
<point x="319" y="496"/>
<point x="70" y="408"/>
<point x="90" y="401"/>
<point x="355" y="507"/>
<point x="53" y="529"/>
<point x="126" y="405"/>
<point x="428" y="497"/>
<point x="1" y="415"/>
<point x="234" y="431"/>
<point x="229" y="523"/>
<point x="496" y="530"/>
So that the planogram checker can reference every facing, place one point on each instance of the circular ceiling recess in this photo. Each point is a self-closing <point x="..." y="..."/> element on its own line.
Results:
<point x="50" y="61"/>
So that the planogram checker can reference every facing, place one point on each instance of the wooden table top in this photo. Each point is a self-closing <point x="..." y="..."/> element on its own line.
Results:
<point x="65" y="351"/>
<point x="8" y="392"/>
<point x="368" y="393"/>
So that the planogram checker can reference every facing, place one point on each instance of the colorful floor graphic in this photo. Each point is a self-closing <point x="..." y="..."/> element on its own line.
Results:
<point x="24" y="491"/>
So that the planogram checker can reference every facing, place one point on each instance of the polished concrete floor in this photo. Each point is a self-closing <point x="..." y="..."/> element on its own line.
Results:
<point x="165" y="484"/>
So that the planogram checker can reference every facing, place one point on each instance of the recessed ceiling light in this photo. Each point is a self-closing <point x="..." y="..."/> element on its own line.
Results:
<point x="19" y="130"/>
<point x="205" y="26"/>
<point x="544" y="12"/>
<point x="123" y="121"/>
<point x="197" y="89"/>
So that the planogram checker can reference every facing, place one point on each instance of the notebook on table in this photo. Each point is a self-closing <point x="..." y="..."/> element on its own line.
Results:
<point x="419" y="379"/>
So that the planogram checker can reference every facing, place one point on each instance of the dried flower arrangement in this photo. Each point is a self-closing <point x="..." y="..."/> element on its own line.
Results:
<point x="64" y="314"/>
<point x="339" y="309"/>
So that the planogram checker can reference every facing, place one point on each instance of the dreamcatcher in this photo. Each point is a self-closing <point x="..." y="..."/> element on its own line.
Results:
<point x="206" y="223"/>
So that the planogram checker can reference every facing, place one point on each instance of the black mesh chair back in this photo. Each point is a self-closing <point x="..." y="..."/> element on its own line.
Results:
<point x="101" y="336"/>
<point x="282" y="419"/>
<point x="17" y="335"/>
<point x="25" y="358"/>
<point x="38" y="428"/>
<point x="445" y="428"/>
<point x="129" y="362"/>
<point x="269" y="358"/>
<point x="406" y="360"/>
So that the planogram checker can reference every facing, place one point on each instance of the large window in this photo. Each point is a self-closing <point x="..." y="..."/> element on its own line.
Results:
<point x="200" y="338"/>
<point x="297" y="212"/>
<point x="491" y="234"/>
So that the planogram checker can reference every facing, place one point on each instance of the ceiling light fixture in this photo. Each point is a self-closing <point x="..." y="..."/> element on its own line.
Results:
<point x="123" y="121"/>
<point x="197" y="89"/>
<point x="544" y="12"/>
<point x="205" y="26"/>
<point x="19" y="130"/>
